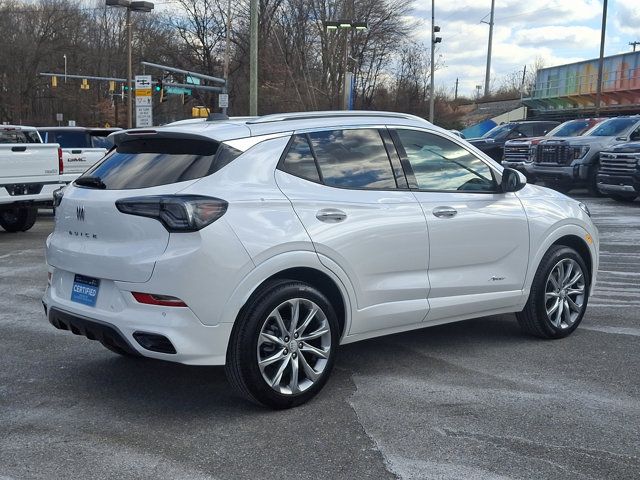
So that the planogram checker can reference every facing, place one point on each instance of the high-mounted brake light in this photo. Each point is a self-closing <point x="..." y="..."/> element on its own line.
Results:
<point x="161" y="300"/>
<point x="178" y="213"/>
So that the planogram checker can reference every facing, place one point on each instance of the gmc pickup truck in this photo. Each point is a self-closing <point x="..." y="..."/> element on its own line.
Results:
<point x="519" y="153"/>
<point x="29" y="173"/>
<point x="81" y="147"/>
<point x="492" y="142"/>
<point x="566" y="163"/>
<point x="619" y="172"/>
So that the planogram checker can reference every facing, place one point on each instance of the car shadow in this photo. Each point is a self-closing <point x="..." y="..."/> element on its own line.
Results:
<point x="144" y="384"/>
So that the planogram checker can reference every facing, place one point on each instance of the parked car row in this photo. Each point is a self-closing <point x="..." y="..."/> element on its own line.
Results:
<point x="601" y="154"/>
<point x="36" y="162"/>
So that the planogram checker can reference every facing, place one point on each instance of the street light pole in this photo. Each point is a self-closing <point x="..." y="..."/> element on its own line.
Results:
<point x="129" y="69"/>
<point x="135" y="6"/>
<point x="432" y="100"/>
<point x="65" y="67"/>
<point x="347" y="26"/>
<point x="253" y="58"/>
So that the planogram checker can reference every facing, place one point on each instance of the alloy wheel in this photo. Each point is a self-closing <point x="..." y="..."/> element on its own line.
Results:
<point x="294" y="346"/>
<point x="564" y="293"/>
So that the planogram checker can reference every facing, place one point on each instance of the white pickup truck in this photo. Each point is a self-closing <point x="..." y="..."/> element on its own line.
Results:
<point x="29" y="174"/>
<point x="81" y="147"/>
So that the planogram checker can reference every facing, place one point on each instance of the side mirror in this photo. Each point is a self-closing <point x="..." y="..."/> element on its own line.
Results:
<point x="512" y="180"/>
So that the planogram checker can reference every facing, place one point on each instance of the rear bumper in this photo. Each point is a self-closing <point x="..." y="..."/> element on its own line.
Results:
<point x="118" y="318"/>
<point x="43" y="198"/>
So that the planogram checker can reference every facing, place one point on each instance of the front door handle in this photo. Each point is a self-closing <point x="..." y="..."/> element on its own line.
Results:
<point x="445" y="212"/>
<point x="331" y="215"/>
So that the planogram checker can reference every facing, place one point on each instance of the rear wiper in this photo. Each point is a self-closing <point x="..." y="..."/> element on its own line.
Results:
<point x="92" y="182"/>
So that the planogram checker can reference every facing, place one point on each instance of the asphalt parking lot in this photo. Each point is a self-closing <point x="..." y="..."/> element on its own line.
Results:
<point x="472" y="400"/>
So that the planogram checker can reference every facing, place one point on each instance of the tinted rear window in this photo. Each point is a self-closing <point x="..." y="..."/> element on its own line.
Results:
<point x="101" y="142"/>
<point x="160" y="161"/>
<point x="19" y="136"/>
<point x="70" y="139"/>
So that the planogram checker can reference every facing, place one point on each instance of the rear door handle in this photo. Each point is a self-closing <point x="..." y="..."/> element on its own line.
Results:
<point x="331" y="215"/>
<point x="445" y="212"/>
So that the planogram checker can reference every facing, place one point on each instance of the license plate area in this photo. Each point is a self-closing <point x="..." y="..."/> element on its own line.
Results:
<point x="85" y="290"/>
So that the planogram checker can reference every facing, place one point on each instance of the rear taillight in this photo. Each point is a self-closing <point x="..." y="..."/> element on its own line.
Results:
<point x="162" y="300"/>
<point x="178" y="213"/>
<point x="60" y="163"/>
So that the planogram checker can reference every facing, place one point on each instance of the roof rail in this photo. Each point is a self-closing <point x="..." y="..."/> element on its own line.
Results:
<point x="280" y="117"/>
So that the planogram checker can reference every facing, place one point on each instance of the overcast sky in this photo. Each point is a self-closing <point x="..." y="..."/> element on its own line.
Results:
<point x="559" y="31"/>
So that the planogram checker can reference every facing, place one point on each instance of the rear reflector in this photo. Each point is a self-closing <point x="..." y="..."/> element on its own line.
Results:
<point x="162" y="300"/>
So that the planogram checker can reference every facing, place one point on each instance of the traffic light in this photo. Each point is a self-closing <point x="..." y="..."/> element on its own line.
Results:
<point x="112" y="86"/>
<point x="84" y="85"/>
<point x="159" y="88"/>
<point x="54" y="82"/>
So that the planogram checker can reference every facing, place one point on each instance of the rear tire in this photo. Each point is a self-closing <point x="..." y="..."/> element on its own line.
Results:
<point x="539" y="318"/>
<point x="623" y="198"/>
<point x="18" y="219"/>
<point x="265" y="363"/>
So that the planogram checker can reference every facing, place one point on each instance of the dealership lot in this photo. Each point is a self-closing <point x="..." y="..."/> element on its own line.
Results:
<point x="475" y="399"/>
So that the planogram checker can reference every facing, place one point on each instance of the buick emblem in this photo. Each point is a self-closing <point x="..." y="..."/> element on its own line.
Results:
<point x="80" y="214"/>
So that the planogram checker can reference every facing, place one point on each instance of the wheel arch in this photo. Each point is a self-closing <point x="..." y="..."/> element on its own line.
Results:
<point x="301" y="266"/>
<point x="570" y="235"/>
<point x="580" y="246"/>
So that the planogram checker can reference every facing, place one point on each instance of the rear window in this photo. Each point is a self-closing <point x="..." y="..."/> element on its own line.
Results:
<point x="18" y="136"/>
<point x="160" y="161"/>
<point x="101" y="142"/>
<point x="70" y="139"/>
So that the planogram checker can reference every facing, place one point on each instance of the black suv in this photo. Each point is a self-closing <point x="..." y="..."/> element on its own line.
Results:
<point x="492" y="142"/>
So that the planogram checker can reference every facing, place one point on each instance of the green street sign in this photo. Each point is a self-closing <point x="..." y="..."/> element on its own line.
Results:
<point x="177" y="90"/>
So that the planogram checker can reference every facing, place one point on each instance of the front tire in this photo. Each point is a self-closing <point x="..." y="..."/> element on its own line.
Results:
<point x="559" y="295"/>
<point x="18" y="219"/>
<point x="283" y="345"/>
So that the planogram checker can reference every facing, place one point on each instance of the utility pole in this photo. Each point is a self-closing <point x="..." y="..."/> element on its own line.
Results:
<point x="433" y="50"/>
<point x="601" y="59"/>
<point x="226" y="53"/>
<point x="487" y="76"/>
<point x="253" y="59"/>
<point x="129" y="69"/>
<point x="455" y="93"/>
<point x="634" y="45"/>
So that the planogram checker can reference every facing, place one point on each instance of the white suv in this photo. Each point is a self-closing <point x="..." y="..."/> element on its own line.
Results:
<point x="262" y="244"/>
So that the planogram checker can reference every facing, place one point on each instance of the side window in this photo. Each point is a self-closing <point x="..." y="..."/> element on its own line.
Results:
<point x="353" y="158"/>
<point x="442" y="165"/>
<point x="635" y="134"/>
<point x="299" y="160"/>
<point x="529" y="130"/>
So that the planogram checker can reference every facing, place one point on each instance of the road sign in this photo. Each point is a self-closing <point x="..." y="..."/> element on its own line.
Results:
<point x="223" y="100"/>
<point x="192" y="80"/>
<point x="72" y="123"/>
<point x="177" y="90"/>
<point x="59" y="117"/>
<point x="144" y="117"/>
<point x="144" y="105"/>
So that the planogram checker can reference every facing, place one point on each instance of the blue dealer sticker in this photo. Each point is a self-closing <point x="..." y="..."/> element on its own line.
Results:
<point x="85" y="290"/>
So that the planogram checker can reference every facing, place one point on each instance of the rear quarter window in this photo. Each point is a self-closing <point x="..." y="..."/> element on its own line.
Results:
<point x="160" y="161"/>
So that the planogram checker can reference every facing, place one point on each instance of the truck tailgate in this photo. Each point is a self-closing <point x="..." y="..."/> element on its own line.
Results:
<point x="78" y="160"/>
<point x="28" y="162"/>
